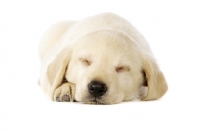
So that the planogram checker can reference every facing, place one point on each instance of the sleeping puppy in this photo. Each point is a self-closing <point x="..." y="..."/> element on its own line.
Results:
<point x="102" y="59"/>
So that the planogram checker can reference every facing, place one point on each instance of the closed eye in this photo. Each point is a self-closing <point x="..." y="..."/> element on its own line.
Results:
<point x="85" y="62"/>
<point x="120" y="69"/>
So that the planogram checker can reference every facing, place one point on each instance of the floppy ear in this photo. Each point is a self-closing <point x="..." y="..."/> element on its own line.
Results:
<point x="156" y="83"/>
<point x="55" y="71"/>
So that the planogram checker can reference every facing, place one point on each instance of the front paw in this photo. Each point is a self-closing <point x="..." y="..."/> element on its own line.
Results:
<point x="65" y="93"/>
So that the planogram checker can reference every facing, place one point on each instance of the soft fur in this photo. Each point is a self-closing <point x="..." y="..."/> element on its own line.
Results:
<point x="103" y="47"/>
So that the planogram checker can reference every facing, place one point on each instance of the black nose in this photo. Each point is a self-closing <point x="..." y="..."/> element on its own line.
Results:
<point x="97" y="88"/>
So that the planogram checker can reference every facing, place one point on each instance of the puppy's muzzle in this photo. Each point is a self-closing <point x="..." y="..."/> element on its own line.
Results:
<point x="97" y="88"/>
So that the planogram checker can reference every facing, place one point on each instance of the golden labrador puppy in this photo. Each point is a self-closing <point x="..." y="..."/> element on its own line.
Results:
<point x="102" y="59"/>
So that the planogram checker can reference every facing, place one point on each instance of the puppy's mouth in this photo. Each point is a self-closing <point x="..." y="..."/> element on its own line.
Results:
<point x="94" y="101"/>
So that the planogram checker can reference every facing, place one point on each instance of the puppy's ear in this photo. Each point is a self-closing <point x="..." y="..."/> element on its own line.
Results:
<point x="55" y="71"/>
<point x="155" y="79"/>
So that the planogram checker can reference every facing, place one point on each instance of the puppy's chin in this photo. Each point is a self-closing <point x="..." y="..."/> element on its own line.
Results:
<point x="91" y="100"/>
<point x="104" y="100"/>
<point x="94" y="103"/>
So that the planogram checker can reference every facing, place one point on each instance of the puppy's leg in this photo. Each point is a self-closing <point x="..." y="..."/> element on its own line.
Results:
<point x="65" y="93"/>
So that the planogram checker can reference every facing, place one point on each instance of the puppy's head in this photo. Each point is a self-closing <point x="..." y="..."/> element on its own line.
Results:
<point x="108" y="67"/>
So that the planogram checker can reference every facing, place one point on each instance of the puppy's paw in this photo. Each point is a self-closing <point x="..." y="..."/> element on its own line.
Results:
<point x="65" y="93"/>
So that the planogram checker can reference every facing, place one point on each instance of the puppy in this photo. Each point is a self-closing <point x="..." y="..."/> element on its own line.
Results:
<point x="102" y="59"/>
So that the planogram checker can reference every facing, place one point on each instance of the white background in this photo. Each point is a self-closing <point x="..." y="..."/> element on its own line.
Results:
<point x="172" y="27"/>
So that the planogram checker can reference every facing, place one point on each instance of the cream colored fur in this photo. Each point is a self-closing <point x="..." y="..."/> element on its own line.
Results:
<point x="106" y="48"/>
